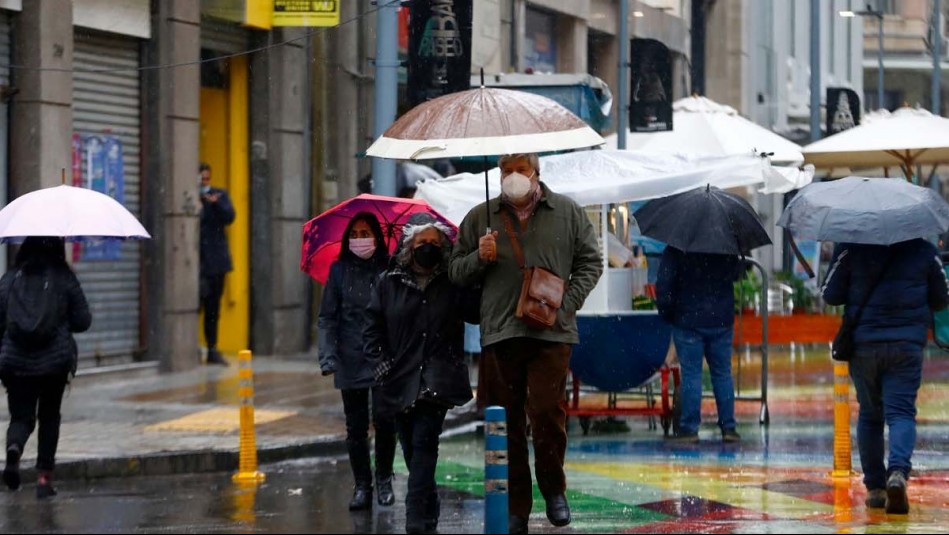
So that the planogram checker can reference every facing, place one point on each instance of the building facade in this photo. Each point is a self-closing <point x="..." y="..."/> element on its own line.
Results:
<point x="127" y="97"/>
<point x="908" y="34"/>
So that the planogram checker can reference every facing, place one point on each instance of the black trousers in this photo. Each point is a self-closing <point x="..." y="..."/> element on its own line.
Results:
<point x="356" y="408"/>
<point x="30" y="399"/>
<point x="419" y="428"/>
<point x="211" y="289"/>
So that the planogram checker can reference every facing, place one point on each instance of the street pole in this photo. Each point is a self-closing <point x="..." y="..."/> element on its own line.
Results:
<point x="623" y="85"/>
<point x="937" y="57"/>
<point x="879" y="15"/>
<point x="386" y="90"/>
<point x="815" y="70"/>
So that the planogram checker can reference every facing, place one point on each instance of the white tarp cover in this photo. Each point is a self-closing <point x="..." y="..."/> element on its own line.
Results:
<point x="597" y="177"/>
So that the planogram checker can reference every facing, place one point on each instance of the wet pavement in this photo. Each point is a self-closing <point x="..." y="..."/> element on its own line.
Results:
<point x="777" y="480"/>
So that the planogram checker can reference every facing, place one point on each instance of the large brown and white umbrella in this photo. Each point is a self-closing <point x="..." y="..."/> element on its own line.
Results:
<point x="903" y="138"/>
<point x="483" y="122"/>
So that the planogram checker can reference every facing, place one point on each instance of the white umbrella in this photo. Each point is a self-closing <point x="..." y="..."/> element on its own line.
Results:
<point x="68" y="212"/>
<point x="703" y="126"/>
<point x="611" y="176"/>
<point x="900" y="139"/>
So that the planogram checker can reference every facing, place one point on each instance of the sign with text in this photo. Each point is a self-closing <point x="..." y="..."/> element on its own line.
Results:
<point x="650" y="102"/>
<point x="97" y="164"/>
<point x="439" y="48"/>
<point x="843" y="109"/>
<point x="306" y="12"/>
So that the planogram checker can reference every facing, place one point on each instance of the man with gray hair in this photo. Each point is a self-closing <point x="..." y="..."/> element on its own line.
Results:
<point x="542" y="230"/>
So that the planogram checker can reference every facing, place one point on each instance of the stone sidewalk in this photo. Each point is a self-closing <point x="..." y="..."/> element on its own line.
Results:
<point x="158" y="424"/>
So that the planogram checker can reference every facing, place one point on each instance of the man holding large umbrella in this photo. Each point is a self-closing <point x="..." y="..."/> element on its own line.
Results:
<point x="542" y="229"/>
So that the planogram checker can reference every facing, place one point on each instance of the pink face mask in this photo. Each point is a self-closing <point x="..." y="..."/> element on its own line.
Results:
<point x="363" y="247"/>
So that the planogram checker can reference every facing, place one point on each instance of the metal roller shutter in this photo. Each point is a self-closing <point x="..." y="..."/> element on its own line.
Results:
<point x="109" y="104"/>
<point x="223" y="37"/>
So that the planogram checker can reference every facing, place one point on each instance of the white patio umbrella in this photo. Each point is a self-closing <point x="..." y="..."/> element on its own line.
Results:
<point x="703" y="126"/>
<point x="76" y="214"/>
<point x="903" y="139"/>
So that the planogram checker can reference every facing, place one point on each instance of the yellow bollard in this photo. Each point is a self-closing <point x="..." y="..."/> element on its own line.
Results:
<point x="843" y="467"/>
<point x="247" y="471"/>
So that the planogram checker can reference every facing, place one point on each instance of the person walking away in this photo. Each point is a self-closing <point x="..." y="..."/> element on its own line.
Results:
<point x="415" y="337"/>
<point x="362" y="258"/>
<point x="695" y="294"/>
<point x="41" y="306"/>
<point x="217" y="212"/>
<point x="542" y="229"/>
<point x="898" y="287"/>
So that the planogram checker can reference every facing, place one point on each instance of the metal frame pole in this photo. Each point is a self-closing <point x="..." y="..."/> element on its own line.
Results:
<point x="937" y="57"/>
<point x="880" y="103"/>
<point x="386" y="90"/>
<point x="623" y="85"/>
<point x="815" y="70"/>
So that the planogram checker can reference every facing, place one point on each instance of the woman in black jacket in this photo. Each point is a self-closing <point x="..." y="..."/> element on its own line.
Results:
<point x="415" y="336"/>
<point x="342" y="318"/>
<point x="41" y="305"/>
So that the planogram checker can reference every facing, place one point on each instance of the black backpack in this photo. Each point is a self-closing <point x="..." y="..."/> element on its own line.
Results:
<point x="33" y="310"/>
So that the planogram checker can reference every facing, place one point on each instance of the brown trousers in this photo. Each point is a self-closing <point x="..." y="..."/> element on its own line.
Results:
<point x="529" y="378"/>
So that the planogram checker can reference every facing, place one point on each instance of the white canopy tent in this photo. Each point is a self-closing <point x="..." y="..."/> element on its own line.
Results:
<point x="598" y="177"/>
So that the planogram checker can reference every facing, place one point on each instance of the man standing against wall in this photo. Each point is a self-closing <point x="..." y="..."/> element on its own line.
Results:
<point x="216" y="213"/>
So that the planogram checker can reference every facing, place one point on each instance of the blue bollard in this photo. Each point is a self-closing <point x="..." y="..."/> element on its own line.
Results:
<point x="495" y="471"/>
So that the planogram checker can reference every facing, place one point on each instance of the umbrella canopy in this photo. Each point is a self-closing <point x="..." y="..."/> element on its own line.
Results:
<point x="900" y="139"/>
<point x="76" y="214"/>
<point x="880" y="211"/>
<point x="483" y="122"/>
<point x="703" y="126"/>
<point x="703" y="220"/>
<point x="322" y="235"/>
<point x="612" y="176"/>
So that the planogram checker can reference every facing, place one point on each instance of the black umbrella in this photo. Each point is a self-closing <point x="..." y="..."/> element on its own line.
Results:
<point x="706" y="220"/>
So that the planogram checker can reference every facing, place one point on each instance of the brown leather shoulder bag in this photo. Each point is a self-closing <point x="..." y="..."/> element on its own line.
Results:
<point x="541" y="292"/>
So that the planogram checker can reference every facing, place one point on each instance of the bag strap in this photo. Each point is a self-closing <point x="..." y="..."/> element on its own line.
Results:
<point x="872" y="289"/>
<point x="512" y="235"/>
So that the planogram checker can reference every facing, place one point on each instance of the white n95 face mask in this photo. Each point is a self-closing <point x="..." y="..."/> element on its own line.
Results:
<point x="516" y="186"/>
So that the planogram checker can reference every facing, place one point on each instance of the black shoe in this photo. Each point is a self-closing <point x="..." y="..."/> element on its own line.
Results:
<point x="896" y="500"/>
<point x="362" y="498"/>
<point x="730" y="436"/>
<point x="215" y="357"/>
<point x="516" y="524"/>
<point x="384" y="494"/>
<point x="558" y="512"/>
<point x="683" y="438"/>
<point x="11" y="472"/>
<point x="44" y="486"/>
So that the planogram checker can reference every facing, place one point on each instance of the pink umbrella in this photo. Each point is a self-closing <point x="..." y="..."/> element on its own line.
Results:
<point x="323" y="235"/>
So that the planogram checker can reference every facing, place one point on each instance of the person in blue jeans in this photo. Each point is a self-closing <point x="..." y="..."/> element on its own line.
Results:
<point x="906" y="283"/>
<point x="694" y="293"/>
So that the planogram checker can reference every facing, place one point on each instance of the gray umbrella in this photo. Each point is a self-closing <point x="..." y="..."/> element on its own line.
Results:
<point x="878" y="211"/>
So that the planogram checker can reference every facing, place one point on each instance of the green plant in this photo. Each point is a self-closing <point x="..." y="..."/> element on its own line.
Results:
<point x="747" y="290"/>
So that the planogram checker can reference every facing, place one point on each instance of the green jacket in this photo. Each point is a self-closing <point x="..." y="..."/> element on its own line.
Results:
<point x="559" y="238"/>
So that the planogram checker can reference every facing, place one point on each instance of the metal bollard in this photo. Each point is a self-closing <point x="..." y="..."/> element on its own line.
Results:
<point x="495" y="471"/>
<point x="247" y="471"/>
<point x="843" y="467"/>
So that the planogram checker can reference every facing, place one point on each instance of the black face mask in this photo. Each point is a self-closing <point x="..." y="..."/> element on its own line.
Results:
<point x="427" y="255"/>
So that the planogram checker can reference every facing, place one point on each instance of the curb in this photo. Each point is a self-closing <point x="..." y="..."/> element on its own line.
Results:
<point x="205" y="461"/>
<point x="186" y="462"/>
